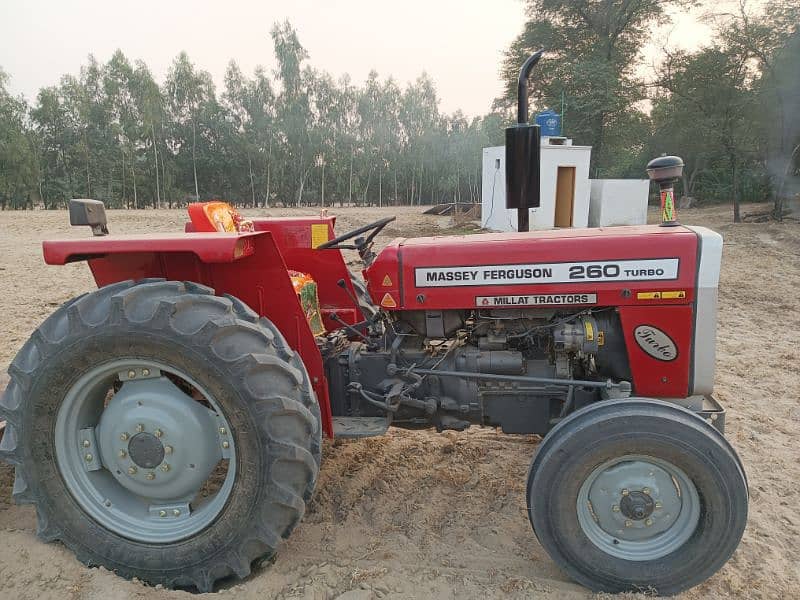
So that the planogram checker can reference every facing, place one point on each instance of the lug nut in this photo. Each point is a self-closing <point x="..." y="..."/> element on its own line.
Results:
<point x="88" y="457"/>
<point x="167" y="449"/>
<point x="107" y="503"/>
<point x="162" y="513"/>
<point x="132" y="470"/>
<point x="615" y="508"/>
<point x="122" y="454"/>
<point x="150" y="476"/>
<point x="628" y="523"/>
<point x="165" y="467"/>
<point x="124" y="437"/>
<point x="145" y="372"/>
<point x="625" y="492"/>
<point x="223" y="431"/>
<point x="86" y="443"/>
<point x="131" y="374"/>
<point x="658" y="505"/>
<point x="646" y="491"/>
<point x="139" y="428"/>
<point x="158" y="433"/>
<point x="226" y="445"/>
<point x="176" y="513"/>
<point x="648" y="522"/>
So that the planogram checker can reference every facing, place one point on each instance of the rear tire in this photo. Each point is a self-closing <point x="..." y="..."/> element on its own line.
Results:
<point x="251" y="379"/>
<point x="637" y="495"/>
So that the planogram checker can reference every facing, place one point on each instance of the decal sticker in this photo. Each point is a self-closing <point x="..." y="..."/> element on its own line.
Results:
<point x="671" y="295"/>
<point x="650" y="269"/>
<point x="536" y="300"/>
<point x="387" y="281"/>
<point x="319" y="234"/>
<point x="388" y="301"/>
<point x="655" y="342"/>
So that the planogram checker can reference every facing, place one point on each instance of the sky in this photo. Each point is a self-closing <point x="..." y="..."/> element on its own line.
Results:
<point x="459" y="43"/>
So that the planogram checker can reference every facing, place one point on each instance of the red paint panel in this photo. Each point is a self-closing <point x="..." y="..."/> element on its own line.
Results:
<point x="210" y="248"/>
<point x="402" y="257"/>
<point x="652" y="377"/>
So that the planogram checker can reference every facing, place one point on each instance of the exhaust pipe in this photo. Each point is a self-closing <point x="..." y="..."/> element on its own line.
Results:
<point x="523" y="153"/>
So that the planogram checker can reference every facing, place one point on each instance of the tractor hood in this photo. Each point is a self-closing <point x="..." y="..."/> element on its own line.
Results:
<point x="604" y="266"/>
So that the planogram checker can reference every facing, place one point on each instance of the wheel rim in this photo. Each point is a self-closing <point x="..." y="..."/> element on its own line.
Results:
<point x="638" y="507"/>
<point x="145" y="450"/>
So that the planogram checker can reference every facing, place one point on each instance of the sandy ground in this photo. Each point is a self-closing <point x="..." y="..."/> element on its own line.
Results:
<point x="421" y="515"/>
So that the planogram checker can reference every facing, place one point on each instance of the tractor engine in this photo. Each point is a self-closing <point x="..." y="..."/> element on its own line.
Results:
<point x="454" y="368"/>
<point x="519" y="331"/>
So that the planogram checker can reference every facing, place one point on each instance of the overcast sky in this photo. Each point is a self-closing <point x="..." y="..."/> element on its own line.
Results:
<point x="458" y="42"/>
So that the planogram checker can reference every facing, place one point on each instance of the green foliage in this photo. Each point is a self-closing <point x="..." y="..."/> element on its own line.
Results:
<point x="299" y="137"/>
<point x="591" y="54"/>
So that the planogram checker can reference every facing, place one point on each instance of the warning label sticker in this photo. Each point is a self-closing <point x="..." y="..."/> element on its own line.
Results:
<point x="536" y="300"/>
<point x="648" y="269"/>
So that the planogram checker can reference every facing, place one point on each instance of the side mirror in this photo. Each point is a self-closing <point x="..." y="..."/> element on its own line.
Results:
<point x="89" y="212"/>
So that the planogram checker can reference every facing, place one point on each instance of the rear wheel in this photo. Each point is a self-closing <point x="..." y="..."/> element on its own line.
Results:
<point x="162" y="432"/>
<point x="637" y="495"/>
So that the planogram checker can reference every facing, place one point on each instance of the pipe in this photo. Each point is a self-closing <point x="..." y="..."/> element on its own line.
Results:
<point x="524" y="378"/>
<point x="522" y="85"/>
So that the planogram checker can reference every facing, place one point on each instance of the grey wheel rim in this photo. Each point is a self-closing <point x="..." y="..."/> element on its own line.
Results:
<point x="638" y="508"/>
<point x="145" y="450"/>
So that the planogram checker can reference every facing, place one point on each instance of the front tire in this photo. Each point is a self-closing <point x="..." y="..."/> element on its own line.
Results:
<point x="637" y="495"/>
<point x="192" y="382"/>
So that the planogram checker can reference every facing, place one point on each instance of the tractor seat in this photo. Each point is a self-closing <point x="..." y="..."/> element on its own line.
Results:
<point x="217" y="216"/>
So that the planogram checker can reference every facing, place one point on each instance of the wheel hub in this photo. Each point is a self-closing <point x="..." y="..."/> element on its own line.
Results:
<point x="637" y="505"/>
<point x="158" y="442"/>
<point x="146" y="451"/>
<point x="140" y="454"/>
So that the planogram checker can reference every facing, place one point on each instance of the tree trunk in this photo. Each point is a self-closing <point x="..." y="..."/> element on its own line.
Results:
<point x="350" y="183"/>
<point x="269" y="170"/>
<point x="155" y="160"/>
<point x="735" y="190"/>
<point x="133" y="178"/>
<point x="194" y="161"/>
<point x="252" y="185"/>
<point x="323" y="180"/>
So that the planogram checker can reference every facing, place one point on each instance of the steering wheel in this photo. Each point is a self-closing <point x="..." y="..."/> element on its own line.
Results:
<point x="361" y="244"/>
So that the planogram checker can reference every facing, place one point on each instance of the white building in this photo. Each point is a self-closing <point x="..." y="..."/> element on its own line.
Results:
<point x="564" y="188"/>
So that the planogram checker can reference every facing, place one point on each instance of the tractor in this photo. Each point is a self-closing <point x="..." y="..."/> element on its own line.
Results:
<point x="168" y="425"/>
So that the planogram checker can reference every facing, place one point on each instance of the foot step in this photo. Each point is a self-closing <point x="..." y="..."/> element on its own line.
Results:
<point x="358" y="427"/>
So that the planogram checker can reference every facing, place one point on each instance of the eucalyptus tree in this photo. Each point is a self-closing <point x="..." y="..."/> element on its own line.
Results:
<point x="18" y="166"/>
<point x="189" y="93"/>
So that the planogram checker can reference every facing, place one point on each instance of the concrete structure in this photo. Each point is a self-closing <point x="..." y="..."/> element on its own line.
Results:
<point x="565" y="187"/>
<point x="618" y="202"/>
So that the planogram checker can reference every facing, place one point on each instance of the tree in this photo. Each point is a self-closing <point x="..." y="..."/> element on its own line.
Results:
<point x="592" y="50"/>
<point x="18" y="168"/>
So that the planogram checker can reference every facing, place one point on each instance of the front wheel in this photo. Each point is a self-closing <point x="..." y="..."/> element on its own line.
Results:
<point x="162" y="431"/>
<point x="637" y="495"/>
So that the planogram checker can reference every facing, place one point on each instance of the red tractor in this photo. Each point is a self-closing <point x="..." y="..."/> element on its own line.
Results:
<point x="168" y="425"/>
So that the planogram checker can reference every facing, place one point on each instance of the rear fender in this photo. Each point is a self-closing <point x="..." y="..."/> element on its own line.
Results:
<point x="248" y="266"/>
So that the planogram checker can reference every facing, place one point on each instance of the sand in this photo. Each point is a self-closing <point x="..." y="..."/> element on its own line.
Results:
<point x="423" y="515"/>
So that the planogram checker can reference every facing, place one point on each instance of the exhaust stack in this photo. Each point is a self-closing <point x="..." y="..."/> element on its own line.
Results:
<point x="523" y="153"/>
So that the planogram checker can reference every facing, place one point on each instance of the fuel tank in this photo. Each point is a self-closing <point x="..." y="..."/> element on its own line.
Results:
<point x="661" y="280"/>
